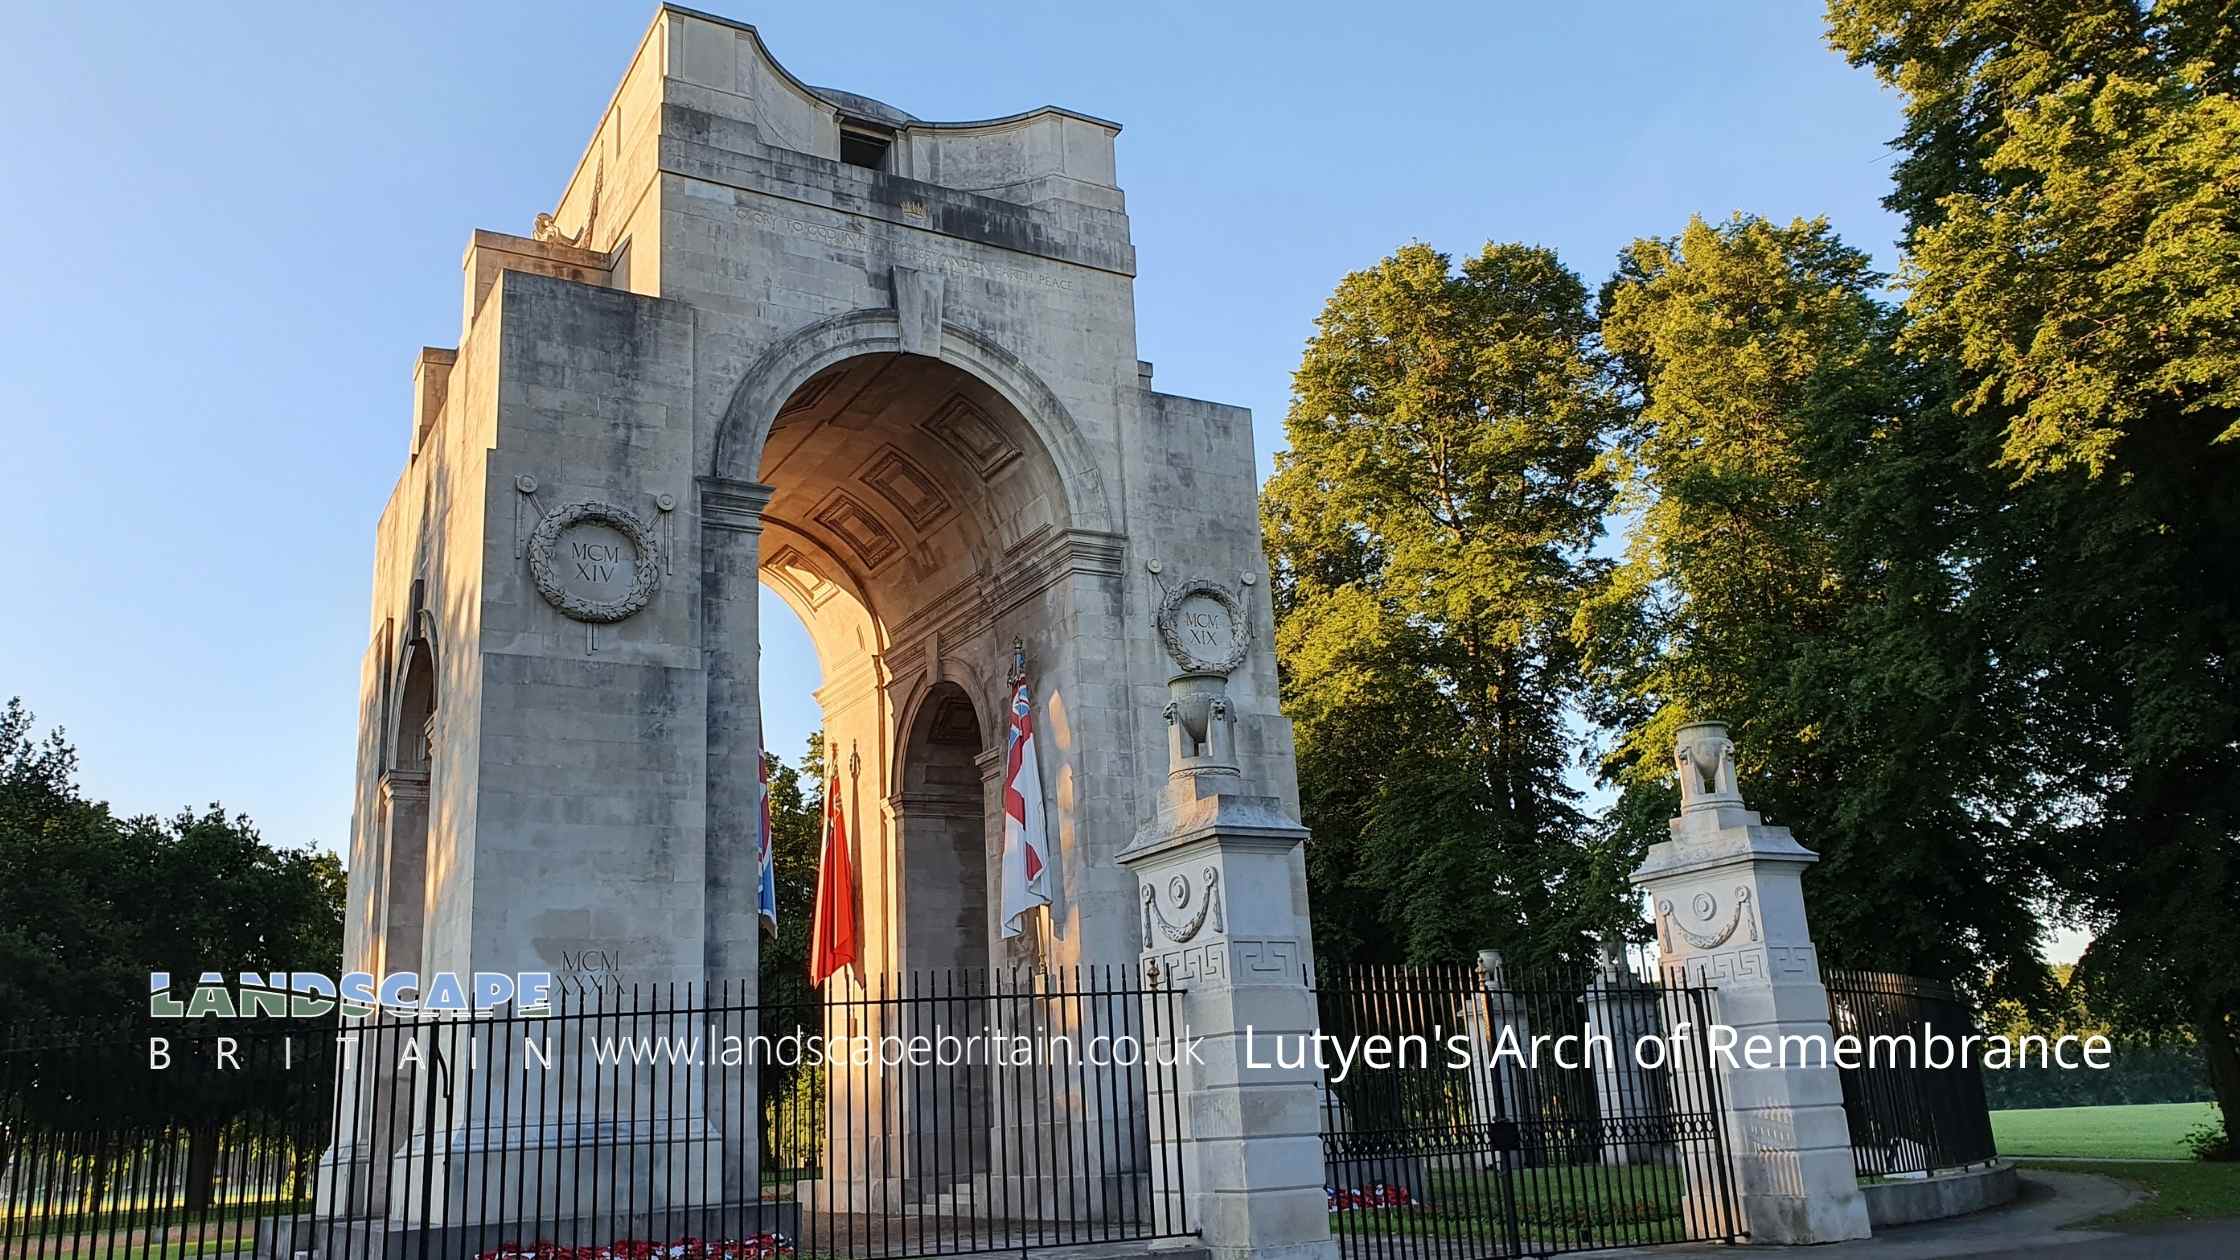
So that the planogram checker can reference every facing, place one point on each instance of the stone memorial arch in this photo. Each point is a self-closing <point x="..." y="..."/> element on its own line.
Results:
<point x="775" y="335"/>
<point x="779" y="335"/>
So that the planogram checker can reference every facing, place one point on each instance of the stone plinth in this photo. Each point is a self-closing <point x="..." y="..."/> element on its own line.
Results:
<point x="1506" y="1021"/>
<point x="1635" y="1102"/>
<point x="1728" y="897"/>
<point x="1219" y="924"/>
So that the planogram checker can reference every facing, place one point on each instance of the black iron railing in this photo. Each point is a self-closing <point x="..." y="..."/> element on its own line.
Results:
<point x="925" y="1114"/>
<point x="1917" y="1105"/>
<point x="1480" y="1147"/>
<point x="158" y="1139"/>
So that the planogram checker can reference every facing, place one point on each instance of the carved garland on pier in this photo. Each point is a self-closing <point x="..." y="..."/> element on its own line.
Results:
<point x="1705" y="906"/>
<point x="1172" y="612"/>
<point x="1178" y="888"/>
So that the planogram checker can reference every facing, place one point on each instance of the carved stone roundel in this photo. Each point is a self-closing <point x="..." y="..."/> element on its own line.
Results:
<point x="1204" y="628"/>
<point x="576" y="559"/>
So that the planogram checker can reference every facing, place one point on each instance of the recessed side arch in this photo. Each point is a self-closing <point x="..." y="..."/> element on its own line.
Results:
<point x="418" y="690"/>
<point x="779" y="371"/>
<point x="911" y="699"/>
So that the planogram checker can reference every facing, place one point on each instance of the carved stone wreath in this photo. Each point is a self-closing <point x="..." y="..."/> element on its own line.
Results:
<point x="645" y="566"/>
<point x="1170" y="614"/>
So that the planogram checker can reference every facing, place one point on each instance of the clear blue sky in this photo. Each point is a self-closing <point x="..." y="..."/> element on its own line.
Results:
<point x="230" y="228"/>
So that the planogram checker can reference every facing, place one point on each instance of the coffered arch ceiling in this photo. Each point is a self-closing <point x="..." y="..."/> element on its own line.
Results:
<point x="904" y="489"/>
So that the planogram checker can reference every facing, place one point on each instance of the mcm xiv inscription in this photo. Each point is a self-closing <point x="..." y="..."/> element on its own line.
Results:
<point x="597" y="561"/>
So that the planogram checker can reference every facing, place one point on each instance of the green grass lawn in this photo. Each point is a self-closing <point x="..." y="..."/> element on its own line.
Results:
<point x="2144" y="1131"/>
<point x="2181" y="1192"/>
<point x="1565" y="1203"/>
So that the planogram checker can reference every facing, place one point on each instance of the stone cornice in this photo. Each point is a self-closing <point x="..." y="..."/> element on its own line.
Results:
<point x="1224" y="821"/>
<point x="969" y="609"/>
<point x="1041" y="563"/>
<point x="732" y="506"/>
<point x="1741" y="840"/>
<point x="992" y="763"/>
<point x="405" y="785"/>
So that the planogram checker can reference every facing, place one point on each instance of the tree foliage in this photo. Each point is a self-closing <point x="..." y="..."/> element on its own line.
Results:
<point x="2069" y="175"/>
<point x="796" y="827"/>
<point x="1788" y="569"/>
<point x="80" y="891"/>
<point x="1429" y="533"/>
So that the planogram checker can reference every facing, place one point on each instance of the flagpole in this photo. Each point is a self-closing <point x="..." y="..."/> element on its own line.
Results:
<point x="855" y="859"/>
<point x="824" y="846"/>
<point x="1042" y="939"/>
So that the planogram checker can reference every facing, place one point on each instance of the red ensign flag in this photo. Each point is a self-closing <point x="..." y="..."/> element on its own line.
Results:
<point x="832" y="937"/>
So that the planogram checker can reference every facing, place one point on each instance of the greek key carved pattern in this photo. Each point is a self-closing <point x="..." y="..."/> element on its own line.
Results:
<point x="1178" y="967"/>
<point x="1761" y="964"/>
<point x="1250" y="958"/>
<point x="1276" y="956"/>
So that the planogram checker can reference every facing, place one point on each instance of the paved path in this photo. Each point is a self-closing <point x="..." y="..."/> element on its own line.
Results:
<point x="2027" y="1229"/>
<point x="2101" y="1159"/>
<point x="2189" y="1240"/>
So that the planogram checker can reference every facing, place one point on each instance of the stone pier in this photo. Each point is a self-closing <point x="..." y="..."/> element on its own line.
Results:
<point x="1216" y="922"/>
<point x="1728" y="897"/>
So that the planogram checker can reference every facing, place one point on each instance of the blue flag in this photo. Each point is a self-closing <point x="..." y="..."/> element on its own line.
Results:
<point x="766" y="892"/>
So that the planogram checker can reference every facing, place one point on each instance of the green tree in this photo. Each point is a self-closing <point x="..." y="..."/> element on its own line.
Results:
<point x="796" y="826"/>
<point x="1429" y="533"/>
<point x="1783" y="573"/>
<point x="91" y="903"/>
<point x="65" y="950"/>
<point x="234" y="901"/>
<point x="2070" y="174"/>
<point x="787" y="1001"/>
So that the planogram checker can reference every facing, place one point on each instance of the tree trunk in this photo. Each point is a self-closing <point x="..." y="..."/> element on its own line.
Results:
<point x="202" y="1168"/>
<point x="2220" y="1047"/>
<point x="97" y="1178"/>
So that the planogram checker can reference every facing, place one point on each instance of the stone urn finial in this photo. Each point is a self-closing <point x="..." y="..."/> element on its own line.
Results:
<point x="1610" y="958"/>
<point x="1198" y="719"/>
<point x="1704" y="757"/>
<point x="1492" y="972"/>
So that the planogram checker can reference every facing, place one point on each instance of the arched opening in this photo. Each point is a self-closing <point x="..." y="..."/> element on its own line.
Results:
<point x="910" y="512"/>
<point x="400" y="918"/>
<point x="404" y="792"/>
<point x="940" y="817"/>
<point x="905" y="491"/>
<point x="940" y="809"/>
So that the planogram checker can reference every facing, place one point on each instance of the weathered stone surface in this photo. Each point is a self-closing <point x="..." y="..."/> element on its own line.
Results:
<point x="906" y="398"/>
<point x="914" y="391"/>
